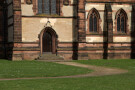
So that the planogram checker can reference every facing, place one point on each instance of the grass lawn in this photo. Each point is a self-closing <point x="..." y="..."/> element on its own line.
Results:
<point x="113" y="82"/>
<point x="18" y="69"/>
<point x="128" y="64"/>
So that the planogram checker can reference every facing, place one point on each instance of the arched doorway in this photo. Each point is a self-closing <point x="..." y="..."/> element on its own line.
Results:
<point x="48" y="40"/>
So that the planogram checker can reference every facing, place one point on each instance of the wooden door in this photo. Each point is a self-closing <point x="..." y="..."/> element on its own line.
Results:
<point x="47" y="42"/>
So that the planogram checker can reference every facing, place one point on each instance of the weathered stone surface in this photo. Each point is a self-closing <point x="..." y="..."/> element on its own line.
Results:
<point x="21" y="27"/>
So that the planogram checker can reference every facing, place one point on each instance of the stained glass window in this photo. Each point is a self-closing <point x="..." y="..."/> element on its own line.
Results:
<point x="91" y="24"/>
<point x="53" y="7"/>
<point x="39" y="6"/>
<point x="122" y="25"/>
<point x="47" y="6"/>
<point x="93" y="21"/>
<point x="121" y="22"/>
<point x="118" y="24"/>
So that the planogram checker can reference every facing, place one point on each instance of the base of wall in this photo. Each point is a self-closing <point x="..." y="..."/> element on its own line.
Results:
<point x="23" y="51"/>
<point x="30" y="51"/>
<point x="119" y="56"/>
<point x="86" y="56"/>
<point x="25" y="56"/>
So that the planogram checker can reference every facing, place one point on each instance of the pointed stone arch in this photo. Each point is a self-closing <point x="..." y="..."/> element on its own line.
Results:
<point x="98" y="21"/>
<point x="53" y="37"/>
<point x="121" y="19"/>
<point x="121" y="11"/>
<point x="93" y="10"/>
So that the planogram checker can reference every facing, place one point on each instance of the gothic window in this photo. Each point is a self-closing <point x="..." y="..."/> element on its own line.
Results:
<point x="121" y="21"/>
<point x="28" y="1"/>
<point x="66" y="2"/>
<point x="93" y="21"/>
<point x="47" y="6"/>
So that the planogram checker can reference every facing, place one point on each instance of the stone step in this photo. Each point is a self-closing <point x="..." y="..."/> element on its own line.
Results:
<point x="50" y="57"/>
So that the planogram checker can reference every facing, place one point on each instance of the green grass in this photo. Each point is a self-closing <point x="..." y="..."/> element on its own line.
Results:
<point x="128" y="64"/>
<point x="113" y="82"/>
<point x="18" y="69"/>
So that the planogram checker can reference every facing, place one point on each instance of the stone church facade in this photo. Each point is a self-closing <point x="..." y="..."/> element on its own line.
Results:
<point x="72" y="29"/>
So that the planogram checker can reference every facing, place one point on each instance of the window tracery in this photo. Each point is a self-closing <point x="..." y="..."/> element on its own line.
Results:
<point x="93" y="21"/>
<point x="121" y="21"/>
<point x="47" y="6"/>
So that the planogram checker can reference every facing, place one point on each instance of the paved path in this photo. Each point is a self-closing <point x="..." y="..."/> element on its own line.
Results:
<point x="98" y="71"/>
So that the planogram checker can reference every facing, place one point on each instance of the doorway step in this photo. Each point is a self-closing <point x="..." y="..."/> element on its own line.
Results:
<point x="50" y="57"/>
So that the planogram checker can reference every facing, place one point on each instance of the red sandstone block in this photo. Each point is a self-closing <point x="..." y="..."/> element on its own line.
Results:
<point x="30" y="45"/>
<point x="30" y="56"/>
<point x="29" y="52"/>
<point x="82" y="44"/>
<point x="17" y="52"/>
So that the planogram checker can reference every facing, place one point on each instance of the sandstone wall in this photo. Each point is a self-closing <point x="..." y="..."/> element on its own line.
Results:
<point x="31" y="28"/>
<point x="128" y="9"/>
<point x="66" y="10"/>
<point x="34" y="25"/>
<point x="100" y="7"/>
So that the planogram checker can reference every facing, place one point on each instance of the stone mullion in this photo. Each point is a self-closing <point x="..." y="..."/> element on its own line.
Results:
<point x="81" y="21"/>
<point x="17" y="21"/>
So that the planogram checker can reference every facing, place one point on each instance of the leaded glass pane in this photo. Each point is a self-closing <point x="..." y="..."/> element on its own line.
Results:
<point x="53" y="6"/>
<point x="46" y="7"/>
<point x="122" y="24"/>
<point x="91" y="24"/>
<point x="118" y="24"/>
<point x="39" y="6"/>
<point x="95" y="23"/>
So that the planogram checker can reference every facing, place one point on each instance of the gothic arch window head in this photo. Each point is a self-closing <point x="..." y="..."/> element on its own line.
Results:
<point x="28" y="1"/>
<point x="66" y="2"/>
<point x="48" y="6"/>
<point x="121" y="18"/>
<point x="93" y="21"/>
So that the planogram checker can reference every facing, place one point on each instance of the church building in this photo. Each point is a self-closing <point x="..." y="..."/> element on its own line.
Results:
<point x="68" y="29"/>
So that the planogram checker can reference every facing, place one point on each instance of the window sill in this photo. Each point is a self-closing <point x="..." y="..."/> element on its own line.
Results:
<point x="121" y="34"/>
<point x="94" y="33"/>
<point x="48" y="15"/>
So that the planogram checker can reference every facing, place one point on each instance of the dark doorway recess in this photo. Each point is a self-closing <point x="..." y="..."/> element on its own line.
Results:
<point x="49" y="41"/>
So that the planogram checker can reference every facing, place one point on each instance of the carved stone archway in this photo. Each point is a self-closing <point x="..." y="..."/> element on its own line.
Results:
<point x="50" y="36"/>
